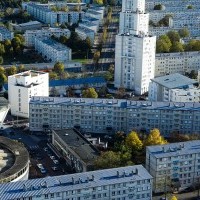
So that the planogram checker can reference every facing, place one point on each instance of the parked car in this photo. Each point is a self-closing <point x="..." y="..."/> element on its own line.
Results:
<point x="56" y="162"/>
<point x="52" y="157"/>
<point x="55" y="168"/>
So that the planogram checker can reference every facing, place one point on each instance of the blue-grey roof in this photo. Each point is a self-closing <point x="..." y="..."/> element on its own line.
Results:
<point x="174" y="149"/>
<point x="63" y="183"/>
<point x="174" y="81"/>
<point x="122" y="103"/>
<point x="76" y="81"/>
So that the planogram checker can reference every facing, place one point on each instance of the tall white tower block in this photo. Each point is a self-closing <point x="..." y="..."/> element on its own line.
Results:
<point x="135" y="48"/>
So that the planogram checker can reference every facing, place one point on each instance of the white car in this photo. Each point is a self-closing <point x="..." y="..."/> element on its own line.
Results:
<point x="52" y="157"/>
<point x="40" y="166"/>
<point x="56" y="162"/>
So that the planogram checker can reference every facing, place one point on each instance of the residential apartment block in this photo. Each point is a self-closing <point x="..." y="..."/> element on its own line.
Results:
<point x="30" y="35"/>
<point x="107" y="116"/>
<point x="22" y="86"/>
<point x="175" y="88"/>
<point x="52" y="50"/>
<point x="134" y="49"/>
<point x="79" y="153"/>
<point x="32" y="25"/>
<point x="174" y="166"/>
<point x="132" y="182"/>
<point x="44" y="13"/>
<point x="170" y="63"/>
<point x="84" y="32"/>
<point x="5" y="34"/>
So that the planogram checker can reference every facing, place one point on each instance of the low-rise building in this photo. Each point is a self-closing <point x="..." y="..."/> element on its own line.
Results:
<point x="174" y="166"/>
<point x="106" y="116"/>
<point x="4" y="108"/>
<point x="5" y="34"/>
<point x="32" y="25"/>
<point x="30" y="35"/>
<point x="170" y="63"/>
<point x="124" y="183"/>
<point x="22" y="86"/>
<point x="84" y="32"/>
<point x="75" y="149"/>
<point x="89" y="25"/>
<point x="61" y="86"/>
<point x="52" y="50"/>
<point x="175" y="88"/>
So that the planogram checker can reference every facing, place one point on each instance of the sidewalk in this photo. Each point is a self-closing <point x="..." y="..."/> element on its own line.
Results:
<point x="183" y="196"/>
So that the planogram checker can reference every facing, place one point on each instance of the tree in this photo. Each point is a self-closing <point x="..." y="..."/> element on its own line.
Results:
<point x="2" y="49"/>
<point x="177" y="47"/>
<point x="108" y="159"/>
<point x="154" y="138"/>
<point x="174" y="198"/>
<point x="133" y="141"/>
<point x="1" y="60"/>
<point x="173" y="36"/>
<point x="121" y="92"/>
<point x="59" y="68"/>
<point x="89" y="93"/>
<point x="11" y="70"/>
<point x="158" y="7"/>
<point x="103" y="91"/>
<point x="63" y="39"/>
<point x="96" y="56"/>
<point x="190" y="7"/>
<point x="166" y="39"/>
<point x="2" y="70"/>
<point x="193" y="45"/>
<point x="3" y="79"/>
<point x="184" y="33"/>
<point x="21" y="68"/>
<point x="162" y="46"/>
<point x="100" y="2"/>
<point x="53" y="76"/>
<point x="54" y="92"/>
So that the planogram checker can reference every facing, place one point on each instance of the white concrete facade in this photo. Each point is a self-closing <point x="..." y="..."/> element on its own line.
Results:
<point x="174" y="88"/>
<point x="109" y="184"/>
<point x="174" y="166"/>
<point x="30" y="35"/>
<point x="22" y="86"/>
<point x="169" y="63"/>
<point x="108" y="116"/>
<point x="52" y="50"/>
<point x="134" y="49"/>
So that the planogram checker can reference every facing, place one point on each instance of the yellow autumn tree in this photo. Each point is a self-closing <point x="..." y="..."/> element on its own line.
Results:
<point x="174" y="198"/>
<point x="154" y="138"/>
<point x="133" y="141"/>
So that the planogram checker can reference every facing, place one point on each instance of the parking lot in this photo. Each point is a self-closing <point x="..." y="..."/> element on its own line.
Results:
<point x="43" y="161"/>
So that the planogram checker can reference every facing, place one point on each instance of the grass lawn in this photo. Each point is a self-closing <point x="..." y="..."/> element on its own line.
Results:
<point x="83" y="61"/>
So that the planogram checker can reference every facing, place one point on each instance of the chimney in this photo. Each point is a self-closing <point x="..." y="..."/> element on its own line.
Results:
<point x="72" y="180"/>
<point x="45" y="184"/>
<point x="92" y="177"/>
<point x="136" y="171"/>
<point x="117" y="173"/>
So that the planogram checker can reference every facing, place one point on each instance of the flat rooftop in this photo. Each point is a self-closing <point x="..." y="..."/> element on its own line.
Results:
<point x="20" y="154"/>
<point x="31" y="73"/>
<point x="30" y="23"/>
<point x="120" y="103"/>
<point x="79" y="144"/>
<point x="54" y="44"/>
<point x="48" y="185"/>
<point x="84" y="29"/>
<point x="175" y="149"/>
<point x="173" y="81"/>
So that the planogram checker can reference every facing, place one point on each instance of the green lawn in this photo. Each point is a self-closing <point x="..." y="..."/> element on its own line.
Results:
<point x="83" y="61"/>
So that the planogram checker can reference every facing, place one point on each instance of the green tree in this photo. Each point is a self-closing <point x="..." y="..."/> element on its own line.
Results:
<point x="59" y="68"/>
<point x="133" y="141"/>
<point x="154" y="138"/>
<point x="166" y="39"/>
<point x="190" y="7"/>
<point x="2" y="49"/>
<point x="3" y="79"/>
<point x="21" y="68"/>
<point x="53" y="75"/>
<point x="177" y="47"/>
<point x="103" y="91"/>
<point x="158" y="7"/>
<point x="1" y="60"/>
<point x="162" y="46"/>
<point x="63" y="39"/>
<point x="11" y="70"/>
<point x="108" y="159"/>
<point x="2" y="70"/>
<point x="193" y="45"/>
<point x="96" y="56"/>
<point x="173" y="36"/>
<point x="184" y="33"/>
<point x="100" y="2"/>
<point x="89" y="93"/>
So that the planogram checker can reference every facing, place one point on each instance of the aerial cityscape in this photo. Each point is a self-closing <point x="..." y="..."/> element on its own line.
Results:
<point x="100" y="99"/>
